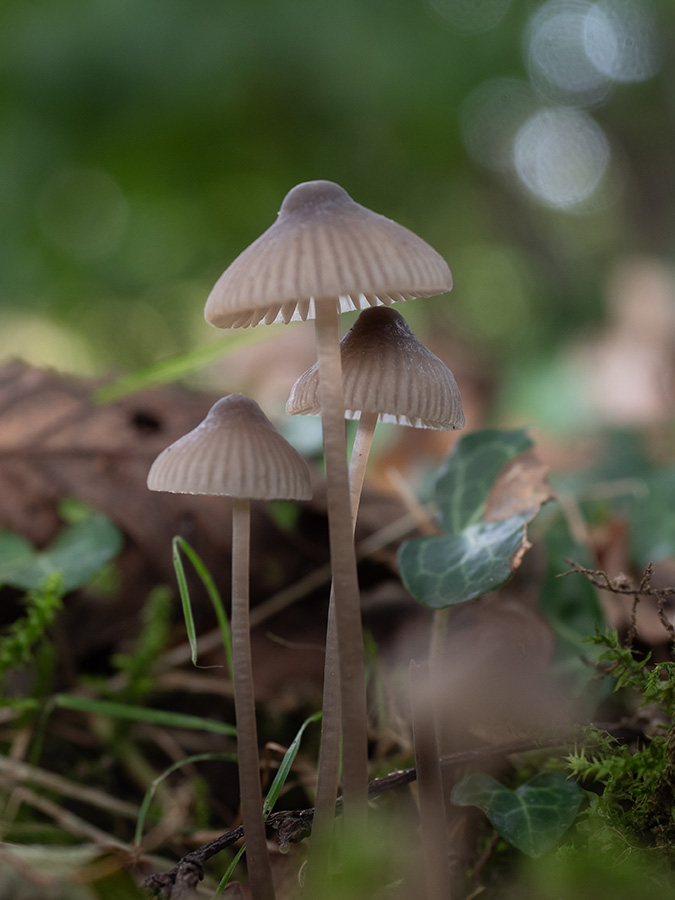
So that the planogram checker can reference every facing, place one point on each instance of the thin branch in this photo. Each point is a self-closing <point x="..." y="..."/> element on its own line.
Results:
<point x="622" y="584"/>
<point x="292" y="826"/>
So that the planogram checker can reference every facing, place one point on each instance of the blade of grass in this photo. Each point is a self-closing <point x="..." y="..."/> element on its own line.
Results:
<point x="141" y="714"/>
<point x="229" y="872"/>
<point x="150" y="793"/>
<point x="179" y="544"/>
<point x="274" y="791"/>
<point x="172" y="369"/>
<point x="286" y="764"/>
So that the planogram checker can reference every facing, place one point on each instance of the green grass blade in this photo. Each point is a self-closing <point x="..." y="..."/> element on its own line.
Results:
<point x="286" y="764"/>
<point x="179" y="544"/>
<point x="274" y="791"/>
<point x="229" y="872"/>
<point x="162" y="717"/>
<point x="184" y="598"/>
<point x="150" y="793"/>
<point x="175" y="368"/>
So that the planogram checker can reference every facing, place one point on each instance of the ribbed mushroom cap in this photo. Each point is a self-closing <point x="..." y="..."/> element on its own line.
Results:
<point x="324" y="247"/>
<point x="387" y="371"/>
<point x="235" y="451"/>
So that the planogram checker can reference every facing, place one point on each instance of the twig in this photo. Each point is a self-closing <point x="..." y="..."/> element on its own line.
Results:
<point x="294" y="825"/>
<point x="621" y="584"/>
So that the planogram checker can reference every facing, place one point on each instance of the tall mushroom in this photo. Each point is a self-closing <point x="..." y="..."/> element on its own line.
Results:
<point x="237" y="452"/>
<point x="326" y="254"/>
<point x="389" y="376"/>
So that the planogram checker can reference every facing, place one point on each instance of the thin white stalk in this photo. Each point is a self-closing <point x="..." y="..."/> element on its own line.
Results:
<point x="331" y="722"/>
<point x="429" y="787"/>
<point x="343" y="562"/>
<point x="250" y="791"/>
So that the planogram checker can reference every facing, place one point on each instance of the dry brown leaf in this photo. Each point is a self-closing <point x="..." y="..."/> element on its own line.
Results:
<point x="521" y="487"/>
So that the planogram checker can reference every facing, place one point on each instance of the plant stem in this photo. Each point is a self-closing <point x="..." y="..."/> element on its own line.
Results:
<point x="331" y="722"/>
<point x="250" y="791"/>
<point x="343" y="562"/>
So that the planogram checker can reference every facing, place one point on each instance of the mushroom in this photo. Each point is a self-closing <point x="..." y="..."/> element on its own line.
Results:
<point x="389" y="376"/>
<point x="237" y="452"/>
<point x="326" y="254"/>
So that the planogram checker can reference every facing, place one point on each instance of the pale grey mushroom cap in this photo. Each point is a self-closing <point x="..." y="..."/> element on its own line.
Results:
<point x="388" y="371"/>
<point x="324" y="247"/>
<point x="235" y="451"/>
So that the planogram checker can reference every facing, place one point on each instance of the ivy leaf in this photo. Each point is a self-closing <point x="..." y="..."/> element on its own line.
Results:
<point x="488" y="491"/>
<point x="78" y="553"/>
<point x="14" y="551"/>
<point x="450" y="569"/>
<point x="533" y="817"/>
<point x="463" y="484"/>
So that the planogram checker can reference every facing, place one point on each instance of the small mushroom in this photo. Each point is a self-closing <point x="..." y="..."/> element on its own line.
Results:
<point x="387" y="372"/>
<point x="389" y="376"/>
<point x="237" y="452"/>
<point x="326" y="254"/>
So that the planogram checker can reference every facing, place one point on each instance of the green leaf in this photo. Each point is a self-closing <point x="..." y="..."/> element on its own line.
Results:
<point x="450" y="569"/>
<point x="164" y="717"/>
<point x="77" y="553"/>
<point x="177" y="545"/>
<point x="533" y="817"/>
<point x="15" y="552"/>
<point x="475" y="556"/>
<point x="464" y="483"/>
<point x="286" y="765"/>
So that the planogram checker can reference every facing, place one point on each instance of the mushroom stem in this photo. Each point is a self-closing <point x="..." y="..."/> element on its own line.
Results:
<point x="331" y="722"/>
<point x="250" y="791"/>
<point x="430" y="786"/>
<point x="343" y="563"/>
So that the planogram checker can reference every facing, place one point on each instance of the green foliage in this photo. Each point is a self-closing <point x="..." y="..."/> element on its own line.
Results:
<point x="274" y="791"/>
<point x="150" y="793"/>
<point x="151" y="642"/>
<point x="591" y="874"/>
<point x="18" y="644"/>
<point x="634" y="786"/>
<point x="180" y="544"/>
<point x="474" y="556"/>
<point x="570" y="604"/>
<point x="78" y="552"/>
<point x="166" y="718"/>
<point x="651" y="516"/>
<point x="464" y="482"/>
<point x="533" y="817"/>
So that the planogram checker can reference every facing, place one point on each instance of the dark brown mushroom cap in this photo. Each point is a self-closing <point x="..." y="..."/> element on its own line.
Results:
<point x="388" y="371"/>
<point x="324" y="247"/>
<point x="235" y="451"/>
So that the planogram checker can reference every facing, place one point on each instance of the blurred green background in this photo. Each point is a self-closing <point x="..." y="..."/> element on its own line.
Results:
<point x="144" y="144"/>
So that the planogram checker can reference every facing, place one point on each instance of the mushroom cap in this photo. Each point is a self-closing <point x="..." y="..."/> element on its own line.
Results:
<point x="324" y="247"/>
<point x="235" y="451"/>
<point x="388" y="371"/>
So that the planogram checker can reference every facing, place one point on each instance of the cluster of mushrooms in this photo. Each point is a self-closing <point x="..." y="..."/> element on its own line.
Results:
<point x="324" y="255"/>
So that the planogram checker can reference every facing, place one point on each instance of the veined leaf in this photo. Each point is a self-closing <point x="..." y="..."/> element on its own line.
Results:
<point x="533" y="817"/>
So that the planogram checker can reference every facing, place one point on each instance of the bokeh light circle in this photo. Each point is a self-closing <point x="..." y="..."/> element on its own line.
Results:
<point x="621" y="39"/>
<point x="561" y="156"/>
<point x="557" y="58"/>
